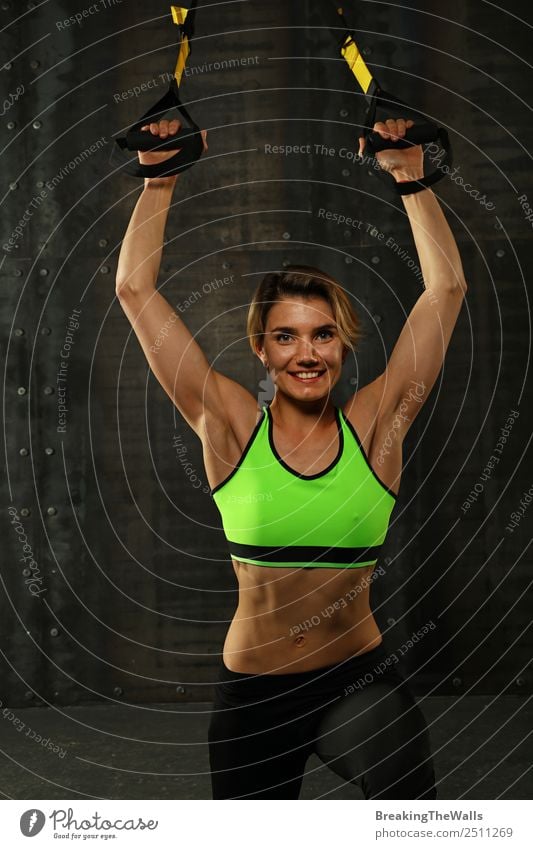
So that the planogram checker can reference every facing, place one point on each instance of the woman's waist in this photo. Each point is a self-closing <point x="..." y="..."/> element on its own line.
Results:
<point x="265" y="643"/>
<point x="354" y="670"/>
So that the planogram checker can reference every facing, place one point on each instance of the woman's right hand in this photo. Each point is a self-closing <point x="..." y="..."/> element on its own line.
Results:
<point x="163" y="129"/>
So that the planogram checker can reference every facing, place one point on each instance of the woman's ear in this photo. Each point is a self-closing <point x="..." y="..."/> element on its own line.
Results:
<point x="262" y="356"/>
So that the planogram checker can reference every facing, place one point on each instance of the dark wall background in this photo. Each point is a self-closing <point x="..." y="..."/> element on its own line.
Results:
<point x="133" y="590"/>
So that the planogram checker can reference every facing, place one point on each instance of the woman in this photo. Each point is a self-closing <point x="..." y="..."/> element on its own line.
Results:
<point x="305" y="490"/>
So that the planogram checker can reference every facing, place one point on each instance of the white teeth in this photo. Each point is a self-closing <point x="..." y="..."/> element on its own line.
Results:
<point x="307" y="374"/>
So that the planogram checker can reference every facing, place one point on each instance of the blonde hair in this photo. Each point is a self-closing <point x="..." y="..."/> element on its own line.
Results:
<point x="304" y="281"/>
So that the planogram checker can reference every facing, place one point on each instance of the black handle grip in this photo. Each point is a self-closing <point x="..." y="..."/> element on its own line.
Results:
<point x="418" y="134"/>
<point x="385" y="105"/>
<point x="144" y="140"/>
<point x="188" y="141"/>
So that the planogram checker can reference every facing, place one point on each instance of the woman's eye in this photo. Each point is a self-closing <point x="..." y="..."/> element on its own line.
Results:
<point x="327" y="332"/>
<point x="281" y="336"/>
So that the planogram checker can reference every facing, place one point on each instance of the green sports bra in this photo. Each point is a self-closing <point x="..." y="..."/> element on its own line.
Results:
<point x="273" y="515"/>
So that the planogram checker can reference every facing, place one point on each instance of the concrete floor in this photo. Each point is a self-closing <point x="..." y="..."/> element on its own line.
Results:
<point x="481" y="750"/>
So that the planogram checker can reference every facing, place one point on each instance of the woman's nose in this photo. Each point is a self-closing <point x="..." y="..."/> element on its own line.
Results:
<point x="306" y="351"/>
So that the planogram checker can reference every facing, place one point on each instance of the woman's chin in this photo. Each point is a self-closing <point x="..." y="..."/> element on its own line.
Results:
<point x="297" y="389"/>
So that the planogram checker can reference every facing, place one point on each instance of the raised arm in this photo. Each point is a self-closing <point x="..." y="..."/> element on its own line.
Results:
<point x="173" y="355"/>
<point x="418" y="354"/>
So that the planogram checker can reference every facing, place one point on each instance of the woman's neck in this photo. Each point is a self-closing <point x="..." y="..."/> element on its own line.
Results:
<point x="302" y="415"/>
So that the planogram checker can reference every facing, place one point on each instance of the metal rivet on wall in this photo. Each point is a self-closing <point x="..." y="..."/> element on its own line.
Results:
<point x="24" y="452"/>
<point x="51" y="511"/>
<point x="18" y="331"/>
<point x="48" y="390"/>
<point x="45" y="331"/>
<point x="11" y="125"/>
<point x="36" y="125"/>
<point x="54" y="632"/>
<point x="25" y="511"/>
<point x="118" y="691"/>
<point x="21" y="390"/>
<point x="13" y="186"/>
<point x="103" y="243"/>
<point x="49" y="451"/>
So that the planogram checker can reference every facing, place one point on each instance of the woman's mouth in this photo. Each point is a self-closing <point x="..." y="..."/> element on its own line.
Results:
<point x="307" y="376"/>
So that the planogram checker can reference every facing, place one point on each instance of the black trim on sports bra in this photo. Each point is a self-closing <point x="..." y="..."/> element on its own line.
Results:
<point x="243" y="455"/>
<point x="293" y="471"/>
<point x="306" y="553"/>
<point x="363" y="452"/>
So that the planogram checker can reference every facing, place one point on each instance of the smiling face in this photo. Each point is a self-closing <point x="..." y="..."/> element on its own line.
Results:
<point x="302" y="347"/>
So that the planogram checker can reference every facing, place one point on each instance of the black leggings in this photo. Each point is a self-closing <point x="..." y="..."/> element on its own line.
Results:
<point x="358" y="716"/>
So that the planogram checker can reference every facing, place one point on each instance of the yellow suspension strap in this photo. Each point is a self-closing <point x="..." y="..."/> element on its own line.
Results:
<point x="382" y="105"/>
<point x="188" y="140"/>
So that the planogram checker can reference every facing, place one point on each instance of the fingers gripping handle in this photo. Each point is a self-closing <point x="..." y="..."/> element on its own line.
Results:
<point x="144" y="140"/>
<point x="188" y="141"/>
<point x="418" y="134"/>
<point x="385" y="105"/>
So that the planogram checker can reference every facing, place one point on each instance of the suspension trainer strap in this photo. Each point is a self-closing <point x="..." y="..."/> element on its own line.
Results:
<point x="188" y="141"/>
<point x="382" y="105"/>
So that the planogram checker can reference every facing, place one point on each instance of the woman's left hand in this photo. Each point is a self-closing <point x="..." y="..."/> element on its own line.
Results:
<point x="405" y="163"/>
